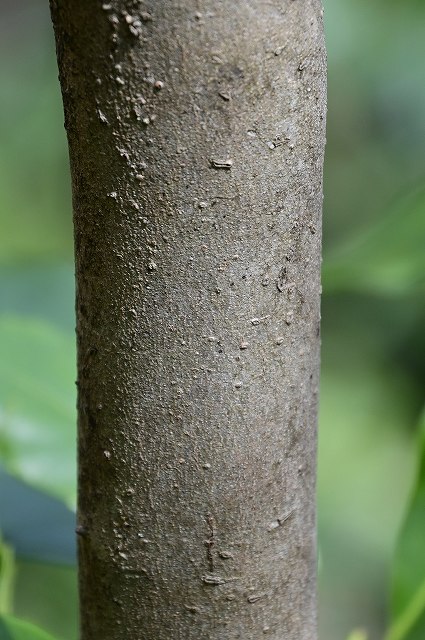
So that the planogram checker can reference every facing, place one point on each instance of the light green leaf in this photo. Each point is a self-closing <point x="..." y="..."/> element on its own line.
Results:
<point x="14" y="629"/>
<point x="358" y="634"/>
<point x="37" y="405"/>
<point x="389" y="258"/>
<point x="408" y="585"/>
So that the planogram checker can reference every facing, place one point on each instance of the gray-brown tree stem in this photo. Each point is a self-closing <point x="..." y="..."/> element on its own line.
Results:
<point x="196" y="135"/>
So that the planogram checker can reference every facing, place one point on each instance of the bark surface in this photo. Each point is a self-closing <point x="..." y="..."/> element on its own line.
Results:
<point x="196" y="134"/>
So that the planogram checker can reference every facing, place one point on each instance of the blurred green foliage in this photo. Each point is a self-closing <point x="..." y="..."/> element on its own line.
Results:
<point x="373" y="339"/>
<point x="38" y="404"/>
<point x="408" y="580"/>
<point x="14" y="629"/>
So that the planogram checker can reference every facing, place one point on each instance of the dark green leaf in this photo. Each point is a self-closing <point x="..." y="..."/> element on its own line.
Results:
<point x="36" y="525"/>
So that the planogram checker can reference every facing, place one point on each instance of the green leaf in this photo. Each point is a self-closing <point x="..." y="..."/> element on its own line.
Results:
<point x="47" y="595"/>
<point x="408" y="584"/>
<point x="7" y="577"/>
<point x="38" y="527"/>
<point x="358" y="634"/>
<point x="388" y="258"/>
<point x="37" y="405"/>
<point x="14" y="629"/>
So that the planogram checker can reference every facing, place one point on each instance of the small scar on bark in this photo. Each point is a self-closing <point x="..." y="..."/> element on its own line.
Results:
<point x="226" y="555"/>
<point x="280" y="521"/>
<point x="81" y="531"/>
<point x="191" y="608"/>
<point x="282" y="279"/>
<point x="213" y="580"/>
<point x="255" y="597"/>
<point x="222" y="164"/>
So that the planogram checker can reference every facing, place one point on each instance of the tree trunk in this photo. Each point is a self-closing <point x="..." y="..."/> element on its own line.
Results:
<point x="196" y="135"/>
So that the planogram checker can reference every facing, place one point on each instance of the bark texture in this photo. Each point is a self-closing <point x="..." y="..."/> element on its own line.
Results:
<point x="196" y="134"/>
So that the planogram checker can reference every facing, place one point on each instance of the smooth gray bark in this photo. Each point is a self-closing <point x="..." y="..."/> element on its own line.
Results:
<point x="196" y="134"/>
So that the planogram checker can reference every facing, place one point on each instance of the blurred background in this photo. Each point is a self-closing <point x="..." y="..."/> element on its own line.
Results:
<point x="371" y="482"/>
